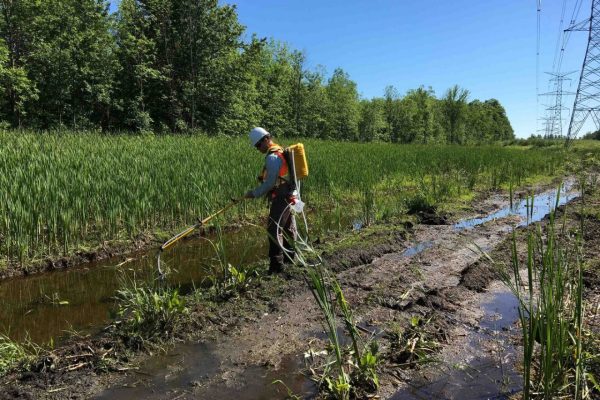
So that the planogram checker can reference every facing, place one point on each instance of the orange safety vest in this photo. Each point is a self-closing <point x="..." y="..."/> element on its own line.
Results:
<point x="283" y="175"/>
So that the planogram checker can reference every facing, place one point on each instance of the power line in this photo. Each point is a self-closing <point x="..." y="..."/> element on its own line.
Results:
<point x="560" y="34"/>
<point x="537" y="62"/>
<point x="567" y="33"/>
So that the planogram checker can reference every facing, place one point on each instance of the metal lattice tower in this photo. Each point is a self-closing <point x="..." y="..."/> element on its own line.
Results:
<point x="546" y="125"/>
<point x="553" y="122"/>
<point x="587" y="99"/>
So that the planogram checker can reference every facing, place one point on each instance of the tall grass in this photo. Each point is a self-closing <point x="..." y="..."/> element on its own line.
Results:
<point x="15" y="354"/>
<point x="550" y="312"/>
<point x="339" y="386"/>
<point x="72" y="191"/>
<point x="352" y="372"/>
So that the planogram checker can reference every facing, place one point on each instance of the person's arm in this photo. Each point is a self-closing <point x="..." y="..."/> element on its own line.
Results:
<point x="272" y="164"/>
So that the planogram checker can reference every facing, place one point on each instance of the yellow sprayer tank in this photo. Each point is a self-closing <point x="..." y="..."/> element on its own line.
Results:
<point x="300" y="163"/>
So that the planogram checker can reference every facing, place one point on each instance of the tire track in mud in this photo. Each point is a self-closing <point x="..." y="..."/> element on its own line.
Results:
<point x="442" y="277"/>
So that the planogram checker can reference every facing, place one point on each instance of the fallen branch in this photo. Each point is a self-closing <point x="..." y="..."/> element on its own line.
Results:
<point x="76" y="366"/>
<point x="78" y="356"/>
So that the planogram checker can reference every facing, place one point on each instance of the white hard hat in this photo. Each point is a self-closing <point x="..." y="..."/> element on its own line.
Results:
<point x="257" y="134"/>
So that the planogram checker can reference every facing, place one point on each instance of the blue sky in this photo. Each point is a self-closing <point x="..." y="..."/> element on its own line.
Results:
<point x="487" y="47"/>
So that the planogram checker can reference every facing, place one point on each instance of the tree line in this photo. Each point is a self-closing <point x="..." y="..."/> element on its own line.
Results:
<point x="183" y="65"/>
<point x="592" y="136"/>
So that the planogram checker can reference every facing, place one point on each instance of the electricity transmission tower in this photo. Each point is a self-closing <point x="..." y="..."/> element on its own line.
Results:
<point x="546" y="125"/>
<point x="587" y="98"/>
<point x="553" y="122"/>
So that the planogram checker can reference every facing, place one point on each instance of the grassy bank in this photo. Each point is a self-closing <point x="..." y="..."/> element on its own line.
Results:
<point x="71" y="192"/>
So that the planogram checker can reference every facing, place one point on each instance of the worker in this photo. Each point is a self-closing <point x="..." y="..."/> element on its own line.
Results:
<point x="276" y="186"/>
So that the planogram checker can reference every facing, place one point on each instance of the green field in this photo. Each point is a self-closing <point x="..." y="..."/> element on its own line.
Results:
<point x="66" y="192"/>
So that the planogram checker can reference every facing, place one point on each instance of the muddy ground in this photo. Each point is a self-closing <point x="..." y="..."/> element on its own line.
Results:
<point x="264" y="333"/>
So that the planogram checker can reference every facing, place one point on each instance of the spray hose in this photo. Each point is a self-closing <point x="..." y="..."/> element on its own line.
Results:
<point x="297" y="207"/>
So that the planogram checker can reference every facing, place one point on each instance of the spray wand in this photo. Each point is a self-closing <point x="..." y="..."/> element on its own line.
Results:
<point x="169" y="243"/>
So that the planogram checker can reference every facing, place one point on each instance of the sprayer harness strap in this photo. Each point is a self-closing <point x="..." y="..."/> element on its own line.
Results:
<point x="283" y="175"/>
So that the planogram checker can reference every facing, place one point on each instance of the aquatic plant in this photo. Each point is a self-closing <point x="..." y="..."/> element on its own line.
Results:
<point x="366" y="358"/>
<point x="339" y="384"/>
<point x="290" y="394"/>
<point x="148" y="315"/>
<point x="226" y="280"/>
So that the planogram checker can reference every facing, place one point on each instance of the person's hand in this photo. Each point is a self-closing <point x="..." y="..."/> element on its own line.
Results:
<point x="249" y="195"/>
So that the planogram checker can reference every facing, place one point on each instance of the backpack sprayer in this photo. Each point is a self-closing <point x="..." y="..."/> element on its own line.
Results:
<point x="296" y="159"/>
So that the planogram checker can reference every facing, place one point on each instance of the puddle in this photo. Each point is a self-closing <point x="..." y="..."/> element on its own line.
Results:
<point x="194" y="371"/>
<point x="489" y="372"/>
<point x="543" y="204"/>
<point x="357" y="225"/>
<point x="501" y="313"/>
<point x="81" y="299"/>
<point x="417" y="249"/>
<point x="186" y="366"/>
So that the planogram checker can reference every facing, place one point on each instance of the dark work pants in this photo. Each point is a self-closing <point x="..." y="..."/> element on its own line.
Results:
<point x="279" y="213"/>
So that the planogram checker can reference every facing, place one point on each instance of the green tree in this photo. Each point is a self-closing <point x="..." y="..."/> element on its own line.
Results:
<point x="592" y="135"/>
<point x="477" y="122"/>
<point x="454" y="106"/>
<point x="179" y="62"/>
<point x="343" y="106"/>
<point x="245" y="110"/>
<point x="17" y="90"/>
<point x="206" y="41"/>
<point x="501" y="128"/>
<point x="487" y="122"/>
<point x="136" y="54"/>
<point x="298" y="92"/>
<point x="174" y="65"/>
<point x="372" y="123"/>
<point x="418" y="117"/>
<point x="277" y="89"/>
<point x="316" y="104"/>
<point x="70" y="57"/>
<point x="392" y="113"/>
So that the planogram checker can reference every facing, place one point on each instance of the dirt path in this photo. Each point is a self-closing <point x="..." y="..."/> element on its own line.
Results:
<point x="436" y="275"/>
